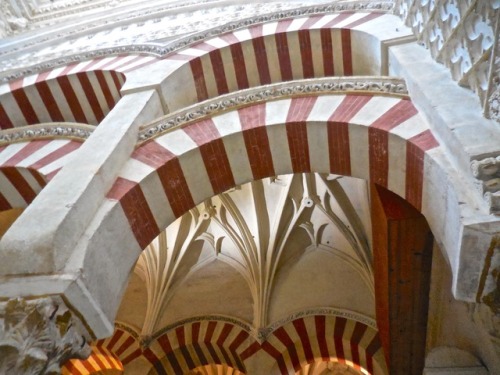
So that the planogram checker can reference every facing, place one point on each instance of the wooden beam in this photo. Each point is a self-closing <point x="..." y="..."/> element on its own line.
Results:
<point x="402" y="252"/>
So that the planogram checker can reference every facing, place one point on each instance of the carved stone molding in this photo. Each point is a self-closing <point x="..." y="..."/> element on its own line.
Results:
<point x="487" y="174"/>
<point x="272" y="92"/>
<point x="462" y="35"/>
<point x="10" y="21"/>
<point x="38" y="336"/>
<point x="147" y="45"/>
<point x="41" y="131"/>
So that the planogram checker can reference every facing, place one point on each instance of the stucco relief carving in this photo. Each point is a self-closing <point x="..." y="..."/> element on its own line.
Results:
<point x="142" y="40"/>
<point x="37" y="336"/>
<point x="52" y="130"/>
<point x="487" y="173"/>
<point x="462" y="35"/>
<point x="10" y="22"/>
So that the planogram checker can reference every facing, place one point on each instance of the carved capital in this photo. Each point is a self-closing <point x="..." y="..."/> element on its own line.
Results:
<point x="487" y="174"/>
<point x="38" y="336"/>
<point x="488" y="318"/>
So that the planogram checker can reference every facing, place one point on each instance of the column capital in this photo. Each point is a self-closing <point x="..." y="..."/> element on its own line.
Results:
<point x="38" y="335"/>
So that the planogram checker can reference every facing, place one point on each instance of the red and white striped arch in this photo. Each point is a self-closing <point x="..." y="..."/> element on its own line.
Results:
<point x="100" y="360"/>
<point x="199" y="343"/>
<point x="26" y="167"/>
<point x="119" y="350"/>
<point x="204" y="342"/>
<point x="378" y="138"/>
<point x="82" y="92"/>
<point x="307" y="340"/>
<point x="306" y="47"/>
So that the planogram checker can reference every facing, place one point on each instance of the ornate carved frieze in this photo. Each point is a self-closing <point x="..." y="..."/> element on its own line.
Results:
<point x="487" y="173"/>
<point x="272" y="92"/>
<point x="53" y="130"/>
<point x="114" y="41"/>
<point x="11" y="21"/>
<point x="38" y="336"/>
<point x="462" y="35"/>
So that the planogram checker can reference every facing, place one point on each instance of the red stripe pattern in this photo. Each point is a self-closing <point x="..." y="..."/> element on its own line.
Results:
<point x="25" y="168"/>
<point x="326" y="338"/>
<point x="82" y="93"/>
<point x="309" y="47"/>
<point x="100" y="360"/>
<point x="380" y="139"/>
<point x="199" y="343"/>
<point x="112" y="353"/>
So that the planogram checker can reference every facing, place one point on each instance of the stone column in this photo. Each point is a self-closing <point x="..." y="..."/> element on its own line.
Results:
<point x="38" y="336"/>
<point x="47" y="260"/>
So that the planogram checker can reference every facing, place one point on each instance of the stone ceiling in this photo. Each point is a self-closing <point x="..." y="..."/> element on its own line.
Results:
<point x="258" y="254"/>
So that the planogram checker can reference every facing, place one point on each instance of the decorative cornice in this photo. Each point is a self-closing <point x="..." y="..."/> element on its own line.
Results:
<point x="321" y="86"/>
<point x="43" y="131"/>
<point x="162" y="50"/>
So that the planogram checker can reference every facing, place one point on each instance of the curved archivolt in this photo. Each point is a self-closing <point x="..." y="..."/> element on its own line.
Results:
<point x="26" y="167"/>
<point x="337" y="44"/>
<point x="83" y="92"/>
<point x="215" y="370"/>
<point x="380" y="139"/>
<point x="200" y="346"/>
<point x="83" y="97"/>
<point x="306" y="340"/>
<point x="101" y="361"/>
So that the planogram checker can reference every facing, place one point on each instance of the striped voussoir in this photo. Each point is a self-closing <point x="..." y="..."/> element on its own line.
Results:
<point x="82" y="92"/>
<point x="307" y="340"/>
<point x="111" y="353"/>
<point x="307" y="47"/>
<point x="199" y="343"/>
<point x="380" y="139"/>
<point x="26" y="167"/>
<point x="196" y="344"/>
